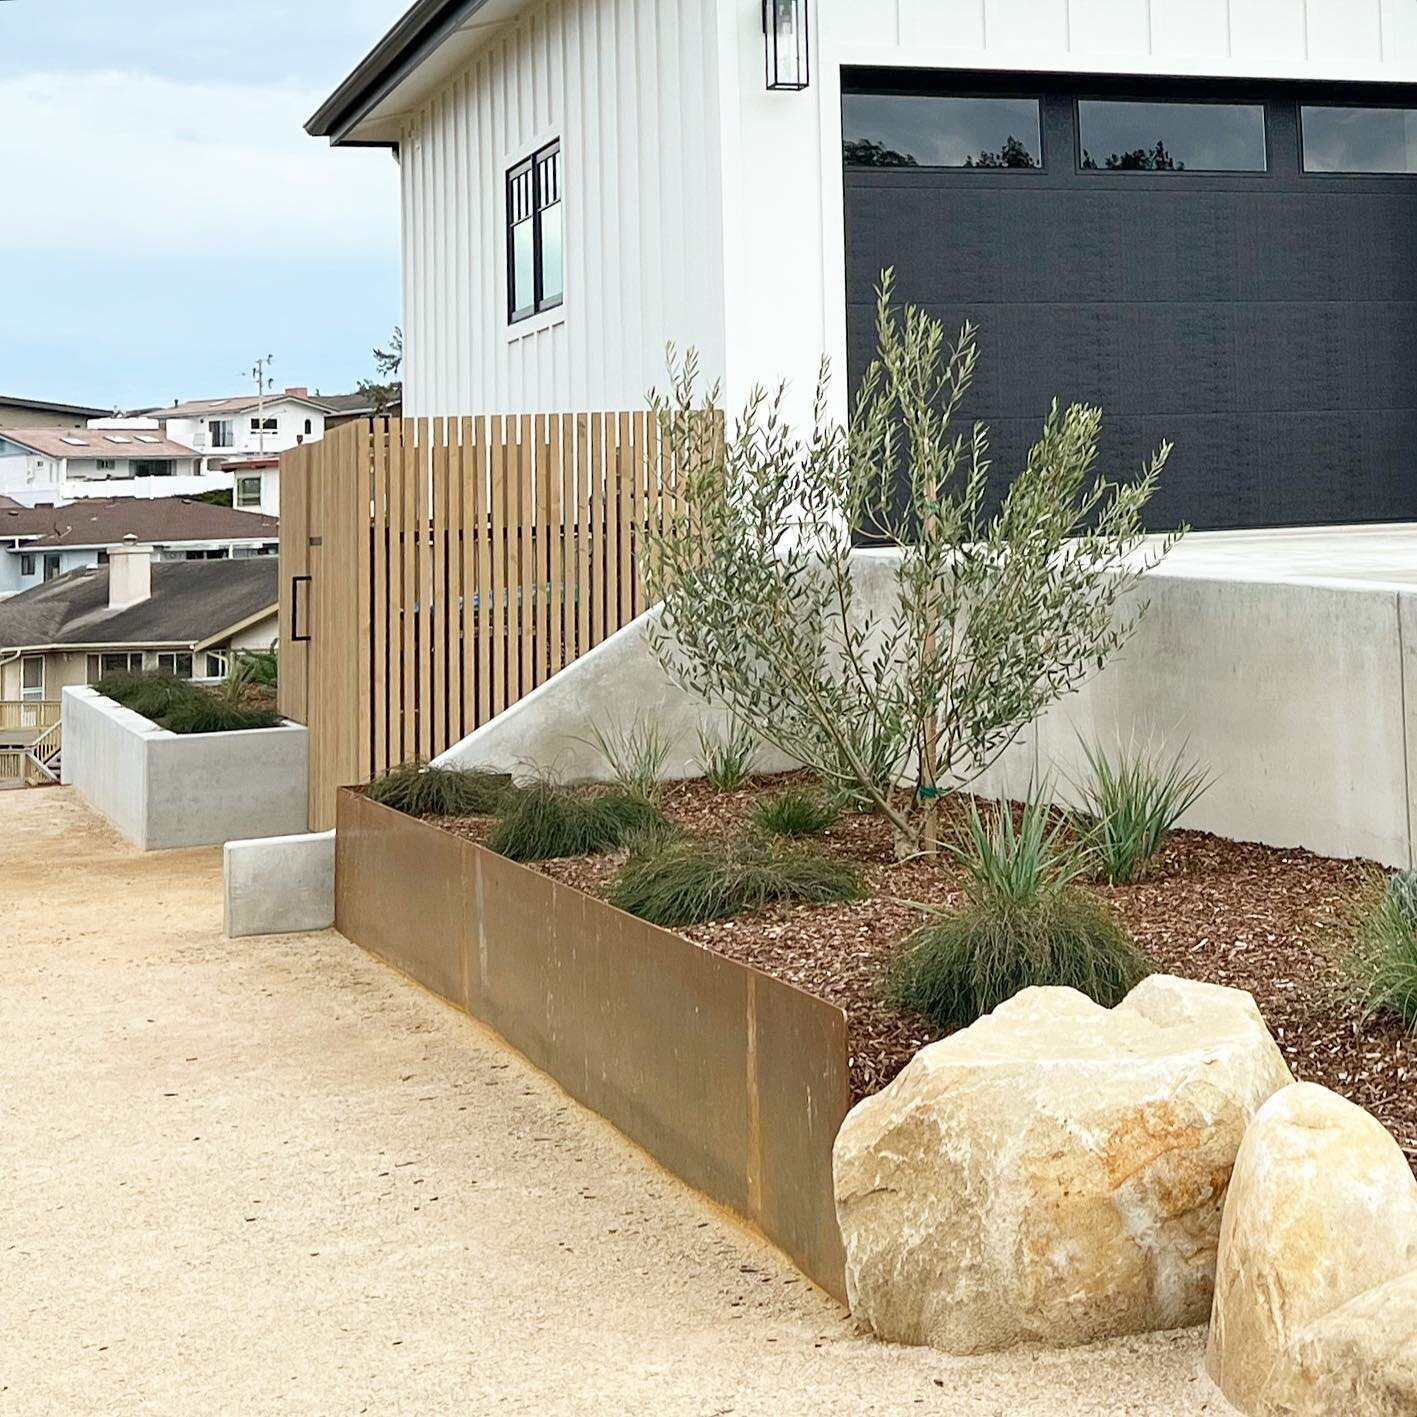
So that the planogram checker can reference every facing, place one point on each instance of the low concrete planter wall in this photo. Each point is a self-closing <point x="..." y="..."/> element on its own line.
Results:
<point x="279" y="885"/>
<point x="164" y="789"/>
<point x="733" y="1080"/>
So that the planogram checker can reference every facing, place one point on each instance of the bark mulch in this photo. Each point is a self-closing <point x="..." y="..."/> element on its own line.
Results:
<point x="1271" y="921"/>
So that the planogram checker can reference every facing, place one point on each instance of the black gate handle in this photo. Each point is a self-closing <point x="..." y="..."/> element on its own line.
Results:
<point x="295" y="584"/>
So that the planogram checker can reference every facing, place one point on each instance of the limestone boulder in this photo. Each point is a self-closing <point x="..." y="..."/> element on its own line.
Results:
<point x="1322" y="1207"/>
<point x="1055" y="1172"/>
<point x="1361" y="1358"/>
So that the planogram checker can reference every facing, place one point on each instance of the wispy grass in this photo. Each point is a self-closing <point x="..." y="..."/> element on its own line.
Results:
<point x="635" y="754"/>
<point x="794" y="812"/>
<point x="542" y="822"/>
<point x="1025" y="923"/>
<point x="693" y="880"/>
<point x="726" y="757"/>
<point x="422" y="790"/>
<point x="1382" y="966"/>
<point x="1129" y="801"/>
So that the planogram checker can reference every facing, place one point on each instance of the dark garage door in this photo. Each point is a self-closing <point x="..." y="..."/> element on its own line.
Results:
<point x="1233" y="268"/>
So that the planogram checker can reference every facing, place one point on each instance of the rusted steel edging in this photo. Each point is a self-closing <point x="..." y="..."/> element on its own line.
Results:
<point x="735" y="1081"/>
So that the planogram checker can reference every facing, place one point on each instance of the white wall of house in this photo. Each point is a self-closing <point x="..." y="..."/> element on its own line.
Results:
<point x="630" y="88"/>
<point x="291" y="417"/>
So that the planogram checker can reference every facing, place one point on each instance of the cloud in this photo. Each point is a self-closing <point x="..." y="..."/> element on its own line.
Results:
<point x="103" y="161"/>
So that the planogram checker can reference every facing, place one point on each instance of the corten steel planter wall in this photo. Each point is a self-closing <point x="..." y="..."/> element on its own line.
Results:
<point x="734" y="1080"/>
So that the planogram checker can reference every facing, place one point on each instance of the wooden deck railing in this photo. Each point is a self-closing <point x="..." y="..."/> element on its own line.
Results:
<point x="28" y="713"/>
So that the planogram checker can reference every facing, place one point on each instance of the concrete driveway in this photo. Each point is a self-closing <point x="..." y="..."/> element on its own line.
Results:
<point x="270" y="1176"/>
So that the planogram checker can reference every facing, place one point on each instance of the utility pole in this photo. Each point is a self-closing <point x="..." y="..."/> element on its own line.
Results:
<point x="264" y="382"/>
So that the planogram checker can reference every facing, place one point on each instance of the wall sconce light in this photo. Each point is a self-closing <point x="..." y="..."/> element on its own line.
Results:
<point x="786" y="26"/>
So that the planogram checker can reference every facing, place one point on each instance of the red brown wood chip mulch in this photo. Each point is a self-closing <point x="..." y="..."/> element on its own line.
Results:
<point x="1270" y="921"/>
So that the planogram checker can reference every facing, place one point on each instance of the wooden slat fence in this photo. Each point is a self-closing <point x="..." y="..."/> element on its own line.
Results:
<point x="434" y="571"/>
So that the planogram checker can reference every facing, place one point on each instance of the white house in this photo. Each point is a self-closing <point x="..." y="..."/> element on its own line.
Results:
<point x="1200" y="214"/>
<point x="130" y="457"/>
<point x="231" y="430"/>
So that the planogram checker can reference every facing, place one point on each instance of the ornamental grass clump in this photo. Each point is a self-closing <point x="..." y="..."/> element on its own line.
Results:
<point x="1024" y="923"/>
<point x="636" y="755"/>
<point x="693" y="880"/>
<point x="1382" y="966"/>
<point x="543" y="822"/>
<point x="151" y="695"/>
<point x="202" y="712"/>
<point x="795" y="813"/>
<point x="727" y="757"/>
<point x="423" y="790"/>
<point x="1129" y="801"/>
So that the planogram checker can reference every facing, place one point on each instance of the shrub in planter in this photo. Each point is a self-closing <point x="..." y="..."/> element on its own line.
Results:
<point x="542" y="822"/>
<point x="1130" y="801"/>
<point x="1383" y="963"/>
<point x="151" y="695"/>
<point x="795" y="813"/>
<point x="202" y="712"/>
<point x="1024" y="923"/>
<point x="693" y="880"/>
<point x="422" y="790"/>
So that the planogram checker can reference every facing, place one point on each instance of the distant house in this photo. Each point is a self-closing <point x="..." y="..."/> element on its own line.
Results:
<point x="40" y="543"/>
<point x="16" y="412"/>
<point x="226" y="431"/>
<point x="122" y="456"/>
<point x="185" y="617"/>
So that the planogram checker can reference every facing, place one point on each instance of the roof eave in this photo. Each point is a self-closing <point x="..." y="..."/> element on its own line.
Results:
<point x="412" y="39"/>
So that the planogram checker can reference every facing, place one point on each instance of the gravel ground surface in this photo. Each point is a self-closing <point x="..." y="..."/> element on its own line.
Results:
<point x="270" y="1176"/>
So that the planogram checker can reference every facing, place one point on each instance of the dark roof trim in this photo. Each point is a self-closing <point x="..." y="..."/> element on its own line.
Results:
<point x="426" y="25"/>
<point x="46" y="406"/>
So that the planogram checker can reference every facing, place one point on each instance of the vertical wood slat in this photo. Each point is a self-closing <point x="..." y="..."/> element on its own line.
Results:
<point x="436" y="607"/>
<point x="457" y="564"/>
<point x="496" y="649"/>
<point x="379" y="649"/>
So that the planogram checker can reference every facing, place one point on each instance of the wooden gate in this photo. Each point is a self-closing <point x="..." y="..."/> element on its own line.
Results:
<point x="433" y="571"/>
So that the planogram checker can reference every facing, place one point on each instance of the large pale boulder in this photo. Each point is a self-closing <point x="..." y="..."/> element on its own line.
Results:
<point x="1056" y="1171"/>
<point x="1322" y="1207"/>
<point x="1361" y="1358"/>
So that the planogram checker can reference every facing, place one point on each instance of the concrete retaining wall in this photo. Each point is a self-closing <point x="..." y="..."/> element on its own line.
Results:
<point x="1294" y="692"/>
<point x="279" y="885"/>
<point x="164" y="789"/>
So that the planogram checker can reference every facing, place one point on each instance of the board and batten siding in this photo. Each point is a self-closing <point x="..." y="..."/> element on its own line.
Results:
<point x="630" y="88"/>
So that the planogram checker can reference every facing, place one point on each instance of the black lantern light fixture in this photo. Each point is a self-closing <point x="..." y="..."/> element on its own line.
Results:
<point x="786" y="25"/>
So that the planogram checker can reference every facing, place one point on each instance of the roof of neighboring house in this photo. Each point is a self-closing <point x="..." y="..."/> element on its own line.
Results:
<point x="45" y="406"/>
<point x="160" y="520"/>
<point x="207" y="408"/>
<point x="192" y="603"/>
<point x="256" y="464"/>
<point x="411" y="40"/>
<point x="96" y="443"/>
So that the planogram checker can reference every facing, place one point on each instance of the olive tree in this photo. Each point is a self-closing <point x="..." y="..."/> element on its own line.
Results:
<point x="903" y="694"/>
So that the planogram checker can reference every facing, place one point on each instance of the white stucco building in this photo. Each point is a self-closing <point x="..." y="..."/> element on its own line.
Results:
<point x="1196" y="213"/>
<point x="131" y="457"/>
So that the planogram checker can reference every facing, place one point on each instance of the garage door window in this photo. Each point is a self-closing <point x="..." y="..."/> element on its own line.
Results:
<point x="1125" y="135"/>
<point x="932" y="130"/>
<point x="1359" y="139"/>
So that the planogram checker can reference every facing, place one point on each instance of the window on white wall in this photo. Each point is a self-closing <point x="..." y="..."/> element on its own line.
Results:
<point x="265" y="425"/>
<point x="221" y="432"/>
<point x="32" y="677"/>
<point x="248" y="491"/>
<point x="178" y="664"/>
<point x="535" y="232"/>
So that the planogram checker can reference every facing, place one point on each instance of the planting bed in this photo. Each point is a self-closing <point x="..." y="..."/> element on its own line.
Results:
<point x="1266" y="920"/>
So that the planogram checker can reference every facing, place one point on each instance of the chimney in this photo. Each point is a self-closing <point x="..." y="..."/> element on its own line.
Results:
<point x="299" y="393"/>
<point x="130" y="574"/>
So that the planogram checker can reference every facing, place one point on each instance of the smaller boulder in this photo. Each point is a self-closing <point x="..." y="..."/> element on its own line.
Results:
<point x="1322" y="1207"/>
<point x="1361" y="1358"/>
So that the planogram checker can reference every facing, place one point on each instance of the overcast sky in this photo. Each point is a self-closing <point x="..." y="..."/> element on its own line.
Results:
<point x="164" y="219"/>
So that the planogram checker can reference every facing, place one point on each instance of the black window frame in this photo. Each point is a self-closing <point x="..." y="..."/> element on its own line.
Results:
<point x="1163" y="97"/>
<point x="1336" y="100"/>
<point x="533" y="166"/>
<point x="972" y="92"/>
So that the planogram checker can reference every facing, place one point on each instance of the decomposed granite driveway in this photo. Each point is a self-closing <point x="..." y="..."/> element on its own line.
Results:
<point x="271" y="1176"/>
